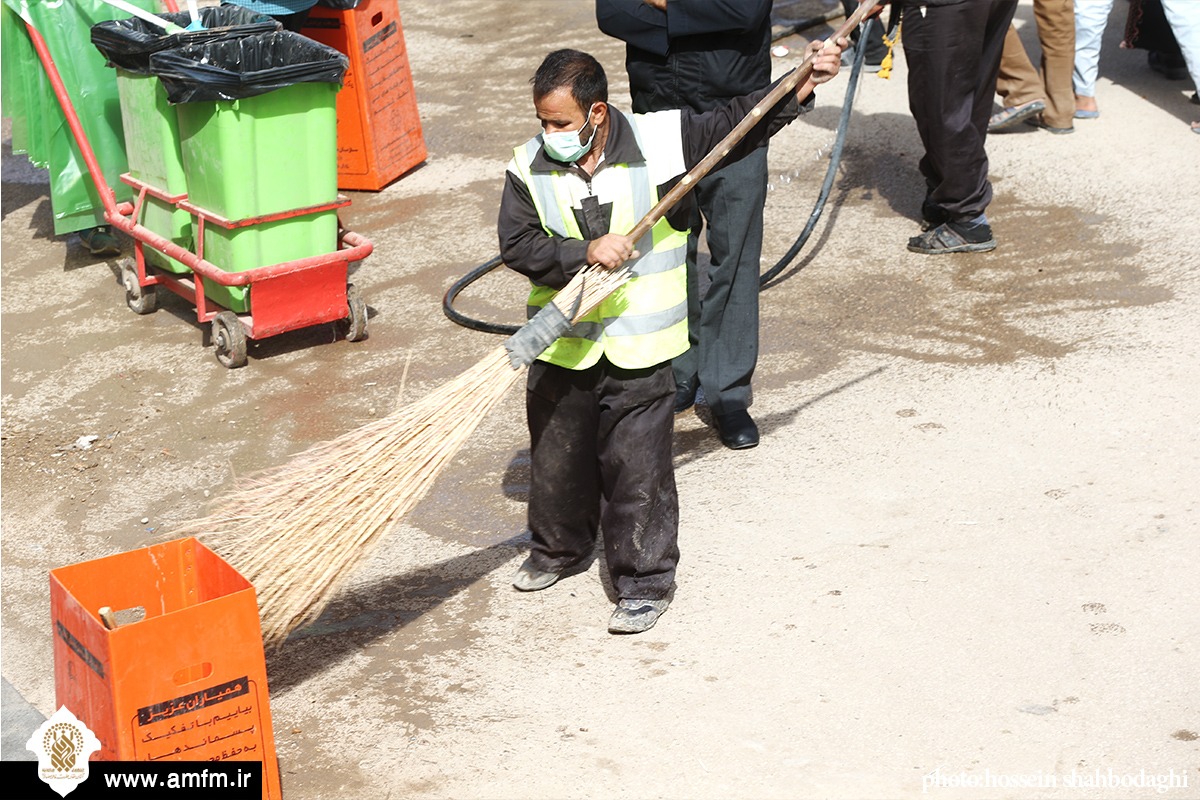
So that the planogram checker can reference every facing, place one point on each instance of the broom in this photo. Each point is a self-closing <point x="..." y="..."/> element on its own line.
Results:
<point x="297" y="531"/>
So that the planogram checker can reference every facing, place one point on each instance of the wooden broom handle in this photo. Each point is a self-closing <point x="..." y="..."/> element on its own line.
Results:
<point x="787" y="84"/>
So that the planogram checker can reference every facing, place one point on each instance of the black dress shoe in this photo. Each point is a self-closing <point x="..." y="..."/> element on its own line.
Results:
<point x="685" y="394"/>
<point x="737" y="429"/>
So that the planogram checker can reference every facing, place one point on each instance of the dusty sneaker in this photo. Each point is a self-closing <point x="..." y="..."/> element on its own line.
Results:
<point x="954" y="237"/>
<point x="531" y="579"/>
<point x="635" y="616"/>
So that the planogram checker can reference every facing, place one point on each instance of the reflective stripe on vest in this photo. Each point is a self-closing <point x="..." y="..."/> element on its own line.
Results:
<point x="644" y="322"/>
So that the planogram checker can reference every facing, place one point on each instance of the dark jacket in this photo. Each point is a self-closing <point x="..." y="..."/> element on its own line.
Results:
<point x="551" y="260"/>
<point x="698" y="55"/>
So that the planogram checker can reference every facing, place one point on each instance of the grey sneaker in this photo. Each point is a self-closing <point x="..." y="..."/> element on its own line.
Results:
<point x="531" y="579"/>
<point x="635" y="616"/>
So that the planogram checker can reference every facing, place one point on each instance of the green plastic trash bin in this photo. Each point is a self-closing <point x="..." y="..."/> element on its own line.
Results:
<point x="150" y="122"/>
<point x="258" y="132"/>
<point x="155" y="158"/>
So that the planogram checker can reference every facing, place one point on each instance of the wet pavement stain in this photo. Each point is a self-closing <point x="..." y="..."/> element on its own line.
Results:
<point x="964" y="309"/>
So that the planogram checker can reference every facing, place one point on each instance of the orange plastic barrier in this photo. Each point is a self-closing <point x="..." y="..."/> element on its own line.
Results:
<point x="188" y="681"/>
<point x="379" y="129"/>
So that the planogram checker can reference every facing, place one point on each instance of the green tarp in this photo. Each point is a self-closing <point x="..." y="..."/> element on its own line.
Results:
<point x="39" y="128"/>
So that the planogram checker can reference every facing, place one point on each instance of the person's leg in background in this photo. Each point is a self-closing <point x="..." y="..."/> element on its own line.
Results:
<point x="953" y="55"/>
<point x="732" y="200"/>
<point x="1018" y="85"/>
<point x="1056" y="33"/>
<point x="1043" y="98"/>
<point x="1184" y="17"/>
<point x="1091" y="17"/>
<point x="872" y="34"/>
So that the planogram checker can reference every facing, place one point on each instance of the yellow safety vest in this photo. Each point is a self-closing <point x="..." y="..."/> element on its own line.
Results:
<point x="644" y="322"/>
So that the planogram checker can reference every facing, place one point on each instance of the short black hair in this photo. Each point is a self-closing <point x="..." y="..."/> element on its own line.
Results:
<point x="575" y="70"/>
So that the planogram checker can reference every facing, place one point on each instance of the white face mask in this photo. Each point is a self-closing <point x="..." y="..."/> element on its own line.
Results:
<point x="565" y="145"/>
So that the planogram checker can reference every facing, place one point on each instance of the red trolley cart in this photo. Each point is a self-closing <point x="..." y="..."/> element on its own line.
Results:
<point x="283" y="297"/>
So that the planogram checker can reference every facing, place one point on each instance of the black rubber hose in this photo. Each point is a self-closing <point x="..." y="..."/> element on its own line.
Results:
<point x="470" y="322"/>
<point x="835" y="159"/>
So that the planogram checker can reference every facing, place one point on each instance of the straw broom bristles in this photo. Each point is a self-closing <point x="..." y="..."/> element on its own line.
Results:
<point x="297" y="531"/>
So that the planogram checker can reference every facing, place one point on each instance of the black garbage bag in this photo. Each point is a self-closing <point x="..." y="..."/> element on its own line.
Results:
<point x="128" y="43"/>
<point x="234" y="69"/>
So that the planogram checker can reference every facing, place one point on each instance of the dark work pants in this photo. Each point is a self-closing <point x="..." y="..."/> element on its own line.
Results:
<point x="600" y="458"/>
<point x="723" y="322"/>
<point x="953" y="55"/>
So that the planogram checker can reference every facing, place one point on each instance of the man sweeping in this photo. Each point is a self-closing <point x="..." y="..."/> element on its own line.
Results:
<point x="600" y="400"/>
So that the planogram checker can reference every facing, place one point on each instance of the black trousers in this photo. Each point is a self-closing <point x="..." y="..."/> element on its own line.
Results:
<point x="600" y="459"/>
<point x="953" y="54"/>
<point x="723" y="320"/>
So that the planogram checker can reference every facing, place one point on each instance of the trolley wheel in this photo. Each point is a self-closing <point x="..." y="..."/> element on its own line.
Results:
<point x="229" y="339"/>
<point x="140" y="299"/>
<point x="356" y="324"/>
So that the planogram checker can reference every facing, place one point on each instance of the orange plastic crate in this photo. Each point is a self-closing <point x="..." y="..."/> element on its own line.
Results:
<point x="379" y="129"/>
<point x="188" y="682"/>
